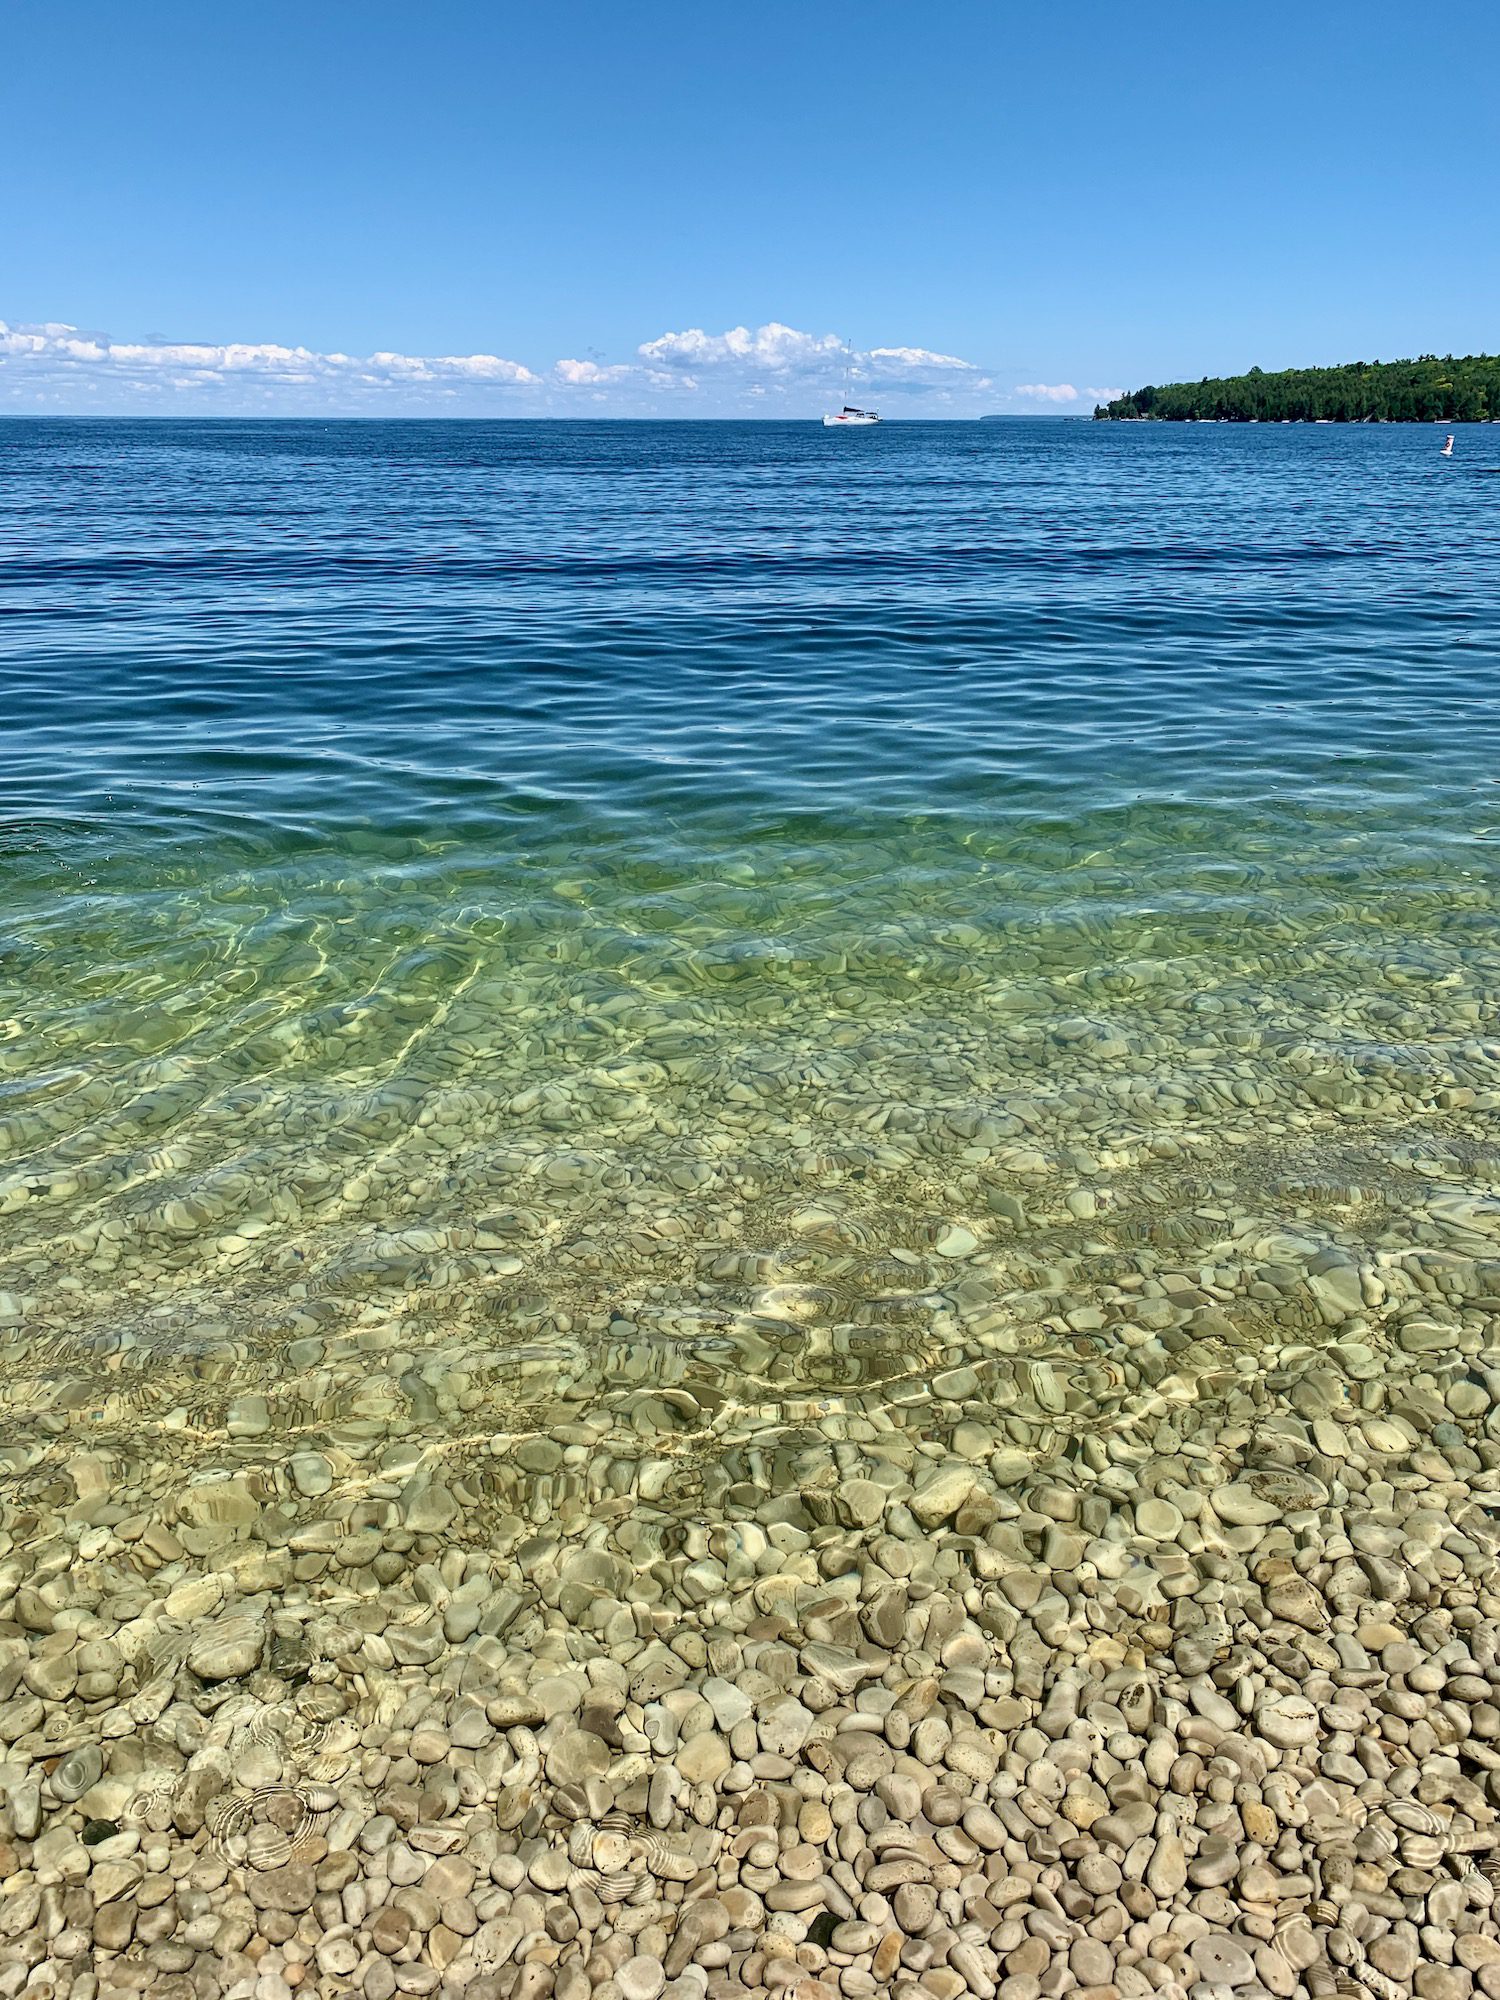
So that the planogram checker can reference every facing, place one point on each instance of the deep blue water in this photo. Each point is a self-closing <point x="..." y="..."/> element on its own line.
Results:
<point x="242" y="632"/>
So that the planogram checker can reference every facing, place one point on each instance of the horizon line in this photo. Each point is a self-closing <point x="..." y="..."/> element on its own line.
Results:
<point x="453" y="417"/>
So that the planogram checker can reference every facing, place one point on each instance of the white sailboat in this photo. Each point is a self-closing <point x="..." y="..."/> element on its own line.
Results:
<point x="849" y="418"/>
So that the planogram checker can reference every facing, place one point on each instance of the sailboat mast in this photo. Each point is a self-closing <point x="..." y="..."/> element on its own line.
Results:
<point x="849" y="414"/>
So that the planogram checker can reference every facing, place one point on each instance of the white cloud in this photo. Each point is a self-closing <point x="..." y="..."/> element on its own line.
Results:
<point x="1103" y="395"/>
<point x="774" y="368"/>
<point x="780" y="359"/>
<point x="60" y="351"/>
<point x="480" y="368"/>
<point x="591" y="374"/>
<point x="773" y="347"/>
<point x="1048" y="392"/>
<point x="784" y="351"/>
<point x="918" y="357"/>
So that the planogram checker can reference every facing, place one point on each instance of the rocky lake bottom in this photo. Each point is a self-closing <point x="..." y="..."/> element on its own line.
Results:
<point x="891" y="1403"/>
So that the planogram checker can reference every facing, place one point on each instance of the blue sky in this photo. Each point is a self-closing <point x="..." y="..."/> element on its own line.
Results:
<point x="597" y="209"/>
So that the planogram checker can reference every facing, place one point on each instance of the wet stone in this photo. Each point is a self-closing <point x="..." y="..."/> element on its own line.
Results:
<point x="832" y="1418"/>
<point x="290" y="1887"/>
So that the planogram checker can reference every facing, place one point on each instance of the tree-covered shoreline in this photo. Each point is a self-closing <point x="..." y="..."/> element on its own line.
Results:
<point x="1433" y="388"/>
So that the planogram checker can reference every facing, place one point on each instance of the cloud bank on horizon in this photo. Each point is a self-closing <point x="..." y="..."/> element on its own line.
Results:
<point x="1064" y="392"/>
<point x="57" y="353"/>
<point x="56" y="366"/>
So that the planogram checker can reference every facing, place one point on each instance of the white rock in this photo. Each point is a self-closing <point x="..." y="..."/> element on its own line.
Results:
<point x="1158" y="1520"/>
<point x="1288" y="1720"/>
<point x="942" y="1493"/>
<point x="1239" y="1506"/>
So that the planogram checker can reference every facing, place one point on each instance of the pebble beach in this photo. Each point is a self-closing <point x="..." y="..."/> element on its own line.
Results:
<point x="884" y="1385"/>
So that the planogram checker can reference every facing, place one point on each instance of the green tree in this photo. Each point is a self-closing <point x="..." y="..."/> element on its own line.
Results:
<point x="1462" y="389"/>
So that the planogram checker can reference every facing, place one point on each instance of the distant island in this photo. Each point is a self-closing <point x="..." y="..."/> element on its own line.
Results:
<point x="1431" y="389"/>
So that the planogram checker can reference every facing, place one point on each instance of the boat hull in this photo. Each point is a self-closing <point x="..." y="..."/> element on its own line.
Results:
<point x="861" y="422"/>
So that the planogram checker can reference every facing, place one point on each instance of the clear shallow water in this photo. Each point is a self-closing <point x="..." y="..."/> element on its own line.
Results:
<point x="692" y="931"/>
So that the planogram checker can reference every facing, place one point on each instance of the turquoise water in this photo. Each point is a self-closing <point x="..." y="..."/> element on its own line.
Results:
<point x="691" y="931"/>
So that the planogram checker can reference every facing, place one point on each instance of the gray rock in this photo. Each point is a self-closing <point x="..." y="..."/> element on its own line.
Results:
<point x="783" y="1727"/>
<point x="942" y="1492"/>
<point x="1166" y="1871"/>
<point x="641" y="1978"/>
<point x="1289" y="1721"/>
<point x="228" y="1648"/>
<point x="1222" y="1960"/>
<point x="290" y="1887"/>
<point x="1240" y="1506"/>
<point x="956" y="1241"/>
<point x="311" y="1473"/>
<point x="701" y="1923"/>
<point x="1216" y="1862"/>
<point x="729" y="1703"/>
<point x="79" y="1770"/>
<point x="576" y="1756"/>
<point x="861" y="1502"/>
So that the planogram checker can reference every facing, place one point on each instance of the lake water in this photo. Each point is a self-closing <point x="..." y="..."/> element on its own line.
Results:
<point x="564" y="986"/>
<point x="670" y="827"/>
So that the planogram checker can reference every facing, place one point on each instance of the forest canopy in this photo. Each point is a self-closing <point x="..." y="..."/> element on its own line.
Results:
<point x="1456" y="389"/>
